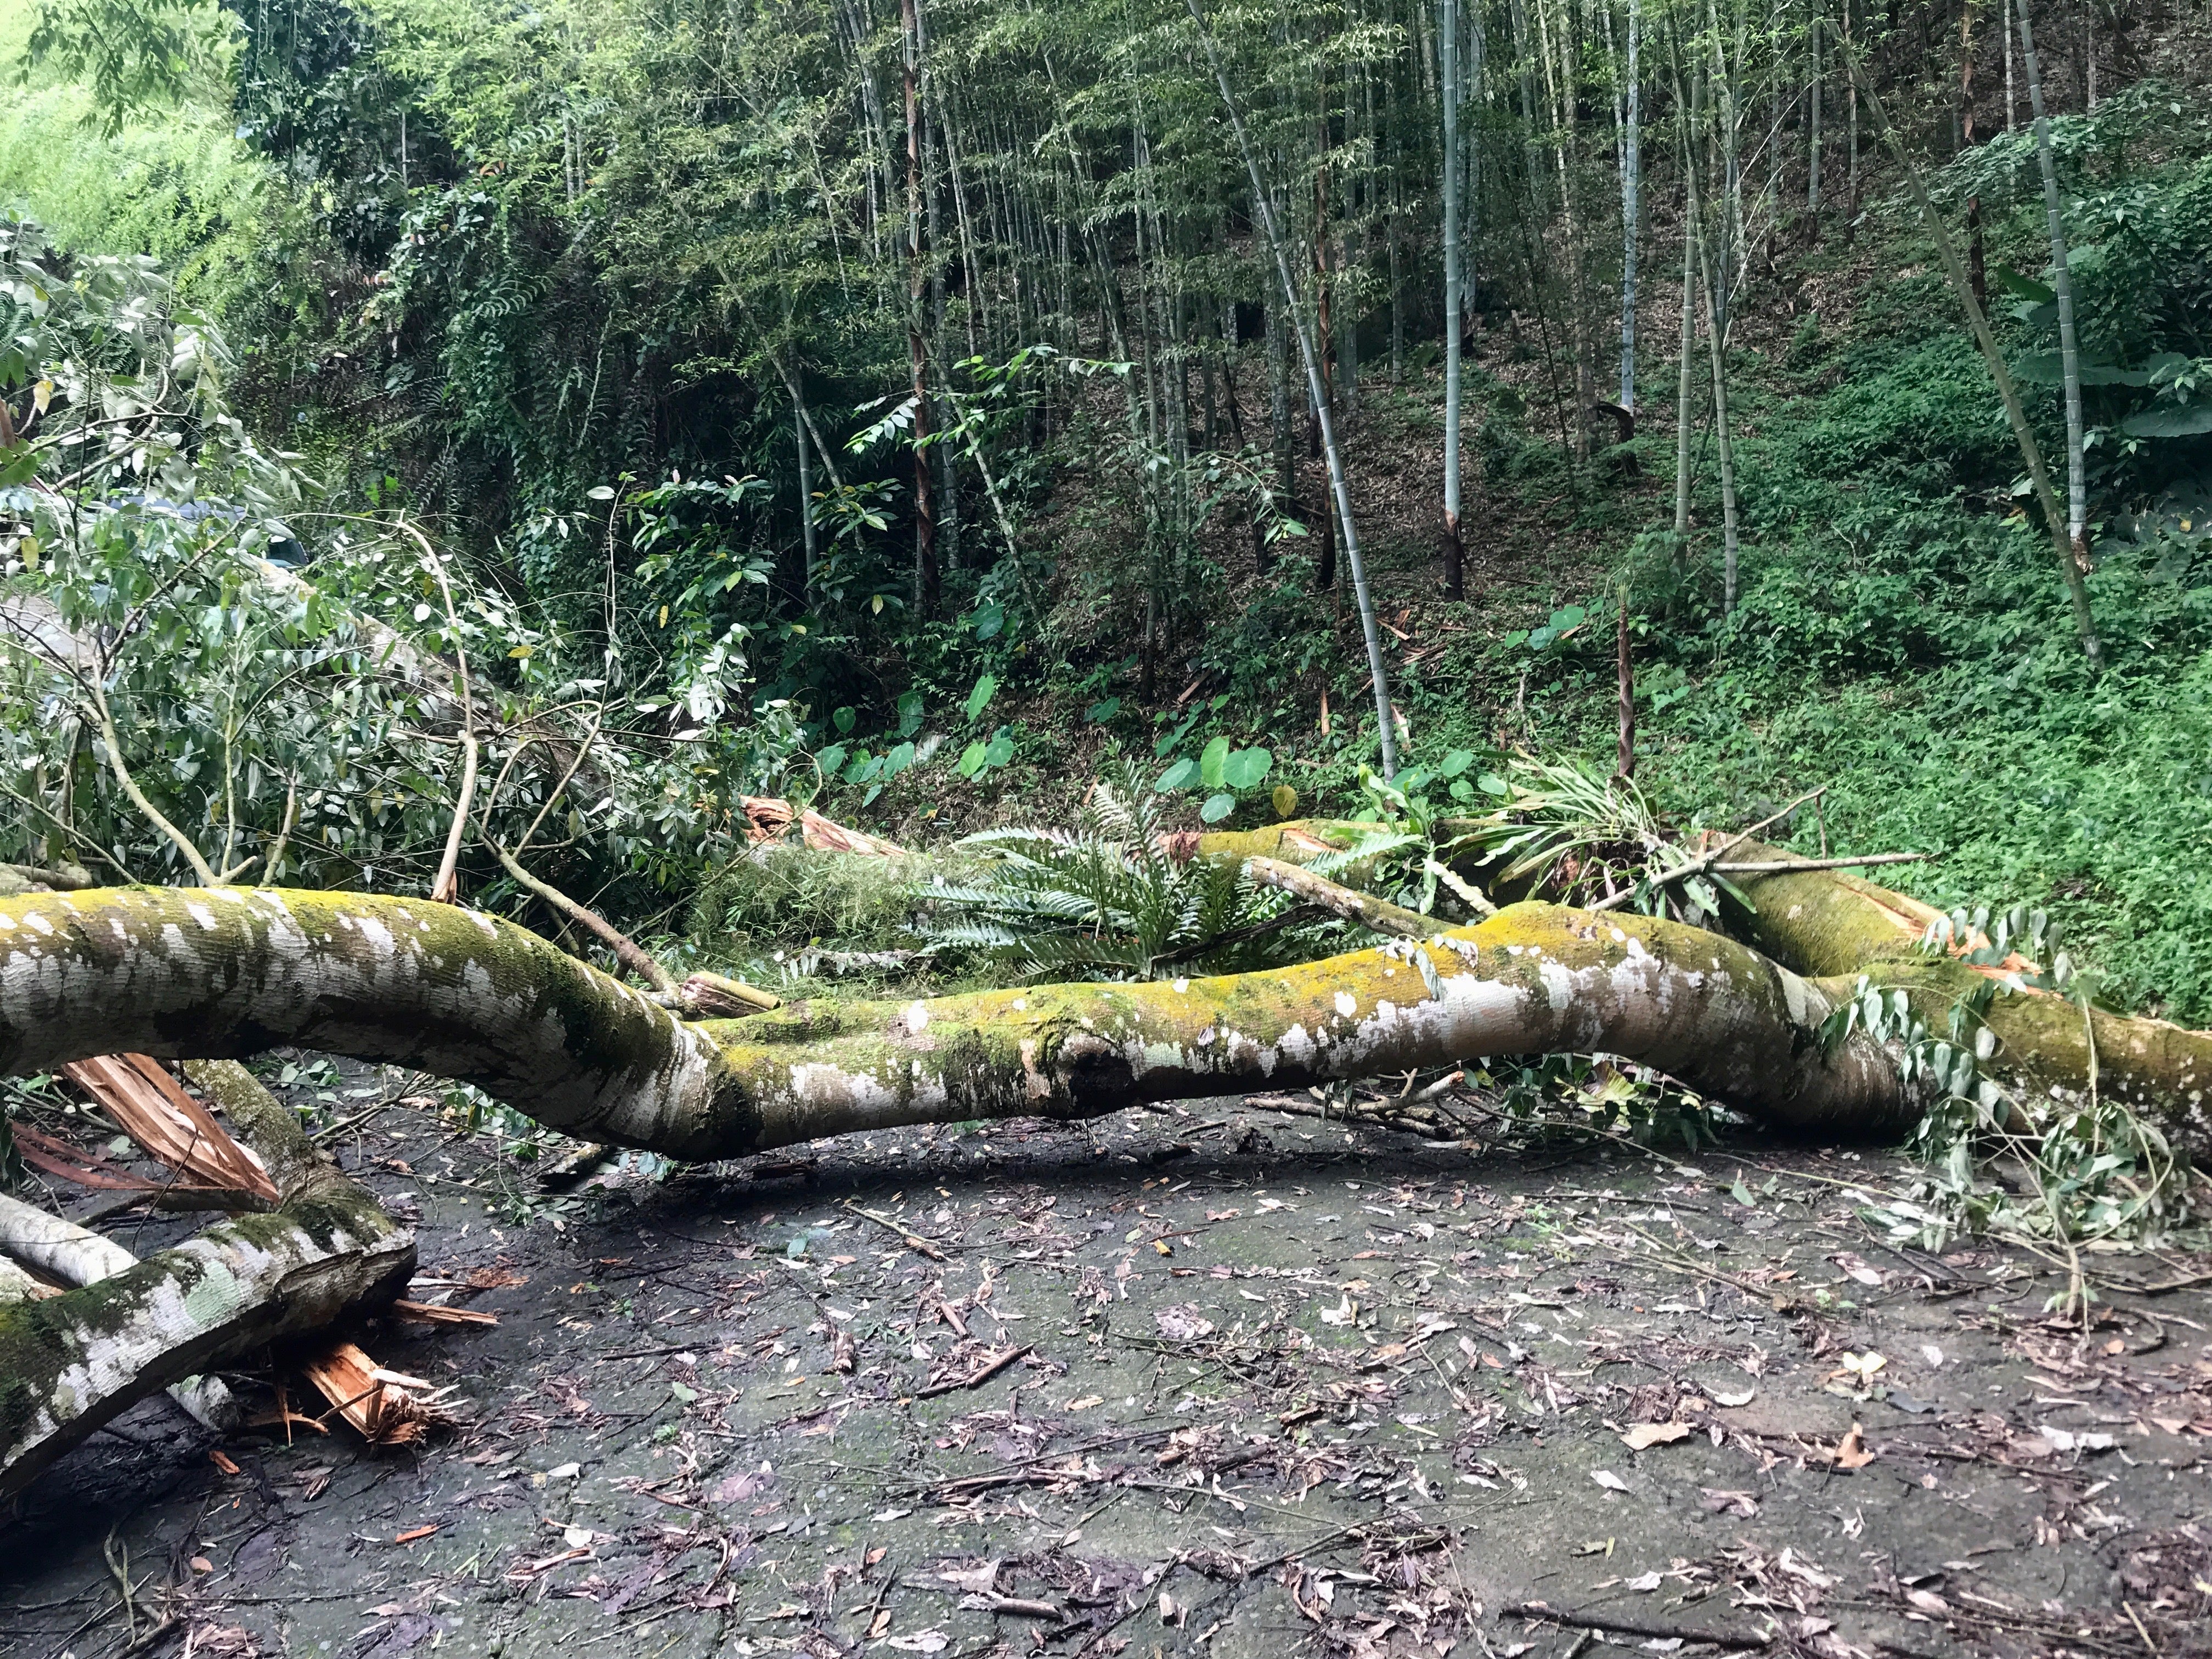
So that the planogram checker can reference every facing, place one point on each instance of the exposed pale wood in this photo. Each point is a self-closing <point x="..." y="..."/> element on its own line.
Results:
<point x="73" y="1362"/>
<point x="154" y="1109"/>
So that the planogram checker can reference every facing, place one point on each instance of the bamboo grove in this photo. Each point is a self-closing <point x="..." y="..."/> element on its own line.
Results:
<point x="859" y="277"/>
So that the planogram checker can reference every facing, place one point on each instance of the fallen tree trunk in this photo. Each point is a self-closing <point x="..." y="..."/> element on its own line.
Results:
<point x="75" y="1255"/>
<point x="226" y="972"/>
<point x="1834" y="924"/>
<point x="70" y="1363"/>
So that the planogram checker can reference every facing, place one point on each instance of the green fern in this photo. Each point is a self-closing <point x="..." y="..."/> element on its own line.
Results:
<point x="1109" y="897"/>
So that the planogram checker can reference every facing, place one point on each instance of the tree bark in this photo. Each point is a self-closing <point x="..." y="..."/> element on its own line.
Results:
<point x="1833" y="927"/>
<point x="183" y="972"/>
<point x="70" y="1363"/>
<point x="2062" y="283"/>
<point x="75" y="1255"/>
<point x="1317" y="389"/>
<point x="1455" y="546"/>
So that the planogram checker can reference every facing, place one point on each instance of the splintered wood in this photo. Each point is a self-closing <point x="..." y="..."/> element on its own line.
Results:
<point x="769" y="819"/>
<point x="387" y="1408"/>
<point x="153" y="1108"/>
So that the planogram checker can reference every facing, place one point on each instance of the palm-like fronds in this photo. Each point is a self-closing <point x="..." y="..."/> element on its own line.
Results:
<point x="1107" y="896"/>
<point x="1567" y="830"/>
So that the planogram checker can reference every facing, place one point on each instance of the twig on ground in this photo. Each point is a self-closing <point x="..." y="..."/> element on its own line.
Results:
<point x="1740" y="1640"/>
<point x="983" y="1373"/>
<point x="913" y="1241"/>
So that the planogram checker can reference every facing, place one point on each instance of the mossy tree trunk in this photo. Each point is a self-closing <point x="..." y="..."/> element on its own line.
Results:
<point x="185" y="973"/>
<point x="1834" y="926"/>
<point x="72" y="1362"/>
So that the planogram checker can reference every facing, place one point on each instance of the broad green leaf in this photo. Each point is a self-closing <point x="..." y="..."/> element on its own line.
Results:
<point x="2027" y="287"/>
<point x="1210" y="761"/>
<point x="1181" y="776"/>
<point x="1247" y="769"/>
<point x="2189" y="421"/>
<point x="971" y="760"/>
<point x="1216" y="808"/>
<point x="979" y="699"/>
<point x="831" y="758"/>
<point x="1456" y="763"/>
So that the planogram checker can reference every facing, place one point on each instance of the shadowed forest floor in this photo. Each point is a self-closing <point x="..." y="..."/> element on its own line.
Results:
<point x="1214" y="1379"/>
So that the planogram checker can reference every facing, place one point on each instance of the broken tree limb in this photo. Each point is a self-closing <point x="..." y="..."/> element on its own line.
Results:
<point x="230" y="971"/>
<point x="74" y="1255"/>
<point x="62" y="878"/>
<point x="627" y="952"/>
<point x="1375" y="914"/>
<point x="72" y="1362"/>
<point x="146" y="1103"/>
<point x="717" y="996"/>
<point x="1816" y="917"/>
<point x="1834" y="923"/>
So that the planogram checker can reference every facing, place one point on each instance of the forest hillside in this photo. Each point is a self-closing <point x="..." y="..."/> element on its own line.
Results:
<point x="767" y="732"/>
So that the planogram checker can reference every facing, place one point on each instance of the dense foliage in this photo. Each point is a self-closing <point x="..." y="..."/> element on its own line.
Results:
<point x="605" y="357"/>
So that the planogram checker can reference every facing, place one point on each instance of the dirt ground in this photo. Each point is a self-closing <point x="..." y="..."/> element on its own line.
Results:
<point x="1213" y="1379"/>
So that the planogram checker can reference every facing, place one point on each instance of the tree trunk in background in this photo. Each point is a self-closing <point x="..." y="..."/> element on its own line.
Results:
<point x="2069" y="565"/>
<point x="1559" y="88"/>
<point x="1283" y="439"/>
<point x="925" y="586"/>
<point x="1378" y="670"/>
<point x="1850" y="135"/>
<point x="1631" y="168"/>
<point x="1684" y="380"/>
<point x="1813" y="120"/>
<point x="1716" y="347"/>
<point x="2070" y="353"/>
<point x="1324" y="393"/>
<point x="1721" y="272"/>
<point x="2012" y="97"/>
<point x="1977" y="259"/>
<point x="805" y="490"/>
<point x="1448" y="49"/>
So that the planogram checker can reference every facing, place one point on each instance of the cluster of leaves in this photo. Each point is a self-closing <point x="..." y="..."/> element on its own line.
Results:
<point x="1562" y="830"/>
<point x="2046" y="1168"/>
<point x="178" y="701"/>
<point x="1586" y="1097"/>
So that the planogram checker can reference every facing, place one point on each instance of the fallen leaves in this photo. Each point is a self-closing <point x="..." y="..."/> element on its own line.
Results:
<point x="1184" y="1323"/>
<point x="1608" y="1479"/>
<point x="1644" y="1436"/>
<point x="1852" y="1452"/>
<point x="1854" y="1375"/>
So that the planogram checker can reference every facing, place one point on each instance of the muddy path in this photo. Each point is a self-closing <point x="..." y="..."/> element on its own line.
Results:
<point x="1210" y="1379"/>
